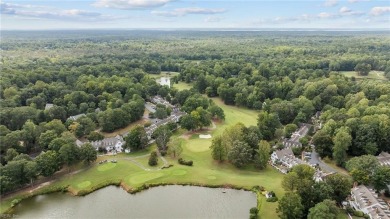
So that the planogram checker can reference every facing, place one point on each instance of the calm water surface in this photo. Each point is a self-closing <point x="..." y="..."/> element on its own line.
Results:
<point x="158" y="202"/>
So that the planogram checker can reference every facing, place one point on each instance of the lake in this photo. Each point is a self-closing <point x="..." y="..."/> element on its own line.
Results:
<point x="158" y="202"/>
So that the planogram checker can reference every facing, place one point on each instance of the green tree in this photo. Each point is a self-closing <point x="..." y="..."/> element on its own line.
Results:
<point x="218" y="149"/>
<point x="362" y="168"/>
<point x="10" y="154"/>
<point x="161" y="113"/>
<point x="240" y="154"/>
<point x="289" y="129"/>
<point x="95" y="136"/>
<point x="175" y="148"/>
<point x="381" y="178"/>
<point x="136" y="139"/>
<point x="48" y="162"/>
<point x="69" y="154"/>
<point x="153" y="159"/>
<point x="30" y="135"/>
<point x="45" y="139"/>
<point x="188" y="122"/>
<point x="341" y="186"/>
<point x="268" y="123"/>
<point x="324" y="210"/>
<point x="323" y="143"/>
<point x="341" y="141"/>
<point x="88" y="153"/>
<point x="162" y="135"/>
<point x="363" y="69"/>
<point x="263" y="155"/>
<point x="216" y="112"/>
<point x="55" y="125"/>
<point x="290" y="181"/>
<point x="290" y="206"/>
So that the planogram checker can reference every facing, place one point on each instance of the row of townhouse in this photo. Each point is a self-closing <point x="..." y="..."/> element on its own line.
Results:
<point x="366" y="200"/>
<point x="116" y="143"/>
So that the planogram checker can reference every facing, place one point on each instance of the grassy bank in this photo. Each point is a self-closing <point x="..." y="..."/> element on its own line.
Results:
<point x="205" y="172"/>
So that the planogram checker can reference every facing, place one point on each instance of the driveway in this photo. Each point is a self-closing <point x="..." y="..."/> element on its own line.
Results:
<point x="150" y="107"/>
<point x="315" y="159"/>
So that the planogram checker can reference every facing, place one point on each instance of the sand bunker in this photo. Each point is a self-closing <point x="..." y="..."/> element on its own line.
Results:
<point x="204" y="136"/>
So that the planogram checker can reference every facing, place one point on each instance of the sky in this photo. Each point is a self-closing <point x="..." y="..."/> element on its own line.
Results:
<point x="178" y="14"/>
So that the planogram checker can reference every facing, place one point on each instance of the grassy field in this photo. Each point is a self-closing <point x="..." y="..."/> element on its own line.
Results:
<point x="182" y="86"/>
<point x="163" y="74"/>
<point x="375" y="75"/>
<point x="205" y="171"/>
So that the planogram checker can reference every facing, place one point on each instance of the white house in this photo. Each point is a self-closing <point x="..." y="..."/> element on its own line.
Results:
<point x="110" y="144"/>
<point x="366" y="200"/>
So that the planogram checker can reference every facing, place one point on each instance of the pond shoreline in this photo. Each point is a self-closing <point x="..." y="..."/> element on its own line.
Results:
<point x="65" y="189"/>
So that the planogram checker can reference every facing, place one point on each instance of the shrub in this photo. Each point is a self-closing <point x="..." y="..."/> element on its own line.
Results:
<point x="358" y="213"/>
<point x="272" y="199"/>
<point x="147" y="124"/>
<point x="252" y="216"/>
<point x="254" y="211"/>
<point x="350" y="210"/>
<point x="153" y="159"/>
<point x="259" y="188"/>
<point x="185" y="162"/>
<point x="163" y="153"/>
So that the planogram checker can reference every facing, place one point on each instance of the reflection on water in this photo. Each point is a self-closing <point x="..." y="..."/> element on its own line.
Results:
<point x="158" y="202"/>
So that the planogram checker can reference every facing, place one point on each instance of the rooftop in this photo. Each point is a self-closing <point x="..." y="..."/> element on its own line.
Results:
<point x="384" y="158"/>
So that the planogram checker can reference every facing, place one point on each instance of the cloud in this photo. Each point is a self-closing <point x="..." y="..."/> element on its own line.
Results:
<point x="44" y="12"/>
<point x="131" y="4"/>
<point x="179" y="12"/>
<point x="355" y="1"/>
<point x="377" y="11"/>
<point x="211" y="19"/>
<point x="324" y="15"/>
<point x="344" y="11"/>
<point x="330" y="3"/>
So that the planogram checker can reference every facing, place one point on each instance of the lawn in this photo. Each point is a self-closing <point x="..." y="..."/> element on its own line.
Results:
<point x="205" y="171"/>
<point x="182" y="86"/>
<point x="163" y="74"/>
<point x="375" y="75"/>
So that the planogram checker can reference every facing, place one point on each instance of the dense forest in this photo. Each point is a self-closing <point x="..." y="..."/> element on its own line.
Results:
<point x="106" y="75"/>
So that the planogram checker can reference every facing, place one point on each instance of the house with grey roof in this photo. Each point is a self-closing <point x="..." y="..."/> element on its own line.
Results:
<point x="74" y="118"/>
<point x="384" y="158"/>
<point x="366" y="200"/>
<point x="48" y="106"/>
<point x="115" y="143"/>
<point x="285" y="159"/>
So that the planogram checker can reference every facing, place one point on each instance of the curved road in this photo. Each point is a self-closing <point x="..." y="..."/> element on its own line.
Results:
<point x="315" y="159"/>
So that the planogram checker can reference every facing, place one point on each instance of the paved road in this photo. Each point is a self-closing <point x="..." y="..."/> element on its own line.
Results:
<point x="315" y="159"/>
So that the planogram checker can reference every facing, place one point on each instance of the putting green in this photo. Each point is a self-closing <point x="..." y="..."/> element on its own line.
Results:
<point x="211" y="177"/>
<point x="145" y="177"/>
<point x="179" y="172"/>
<point x="198" y="145"/>
<point x="84" y="184"/>
<point x="106" y="166"/>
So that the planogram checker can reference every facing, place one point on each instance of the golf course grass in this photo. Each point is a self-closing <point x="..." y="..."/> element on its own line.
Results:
<point x="375" y="75"/>
<point x="205" y="171"/>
